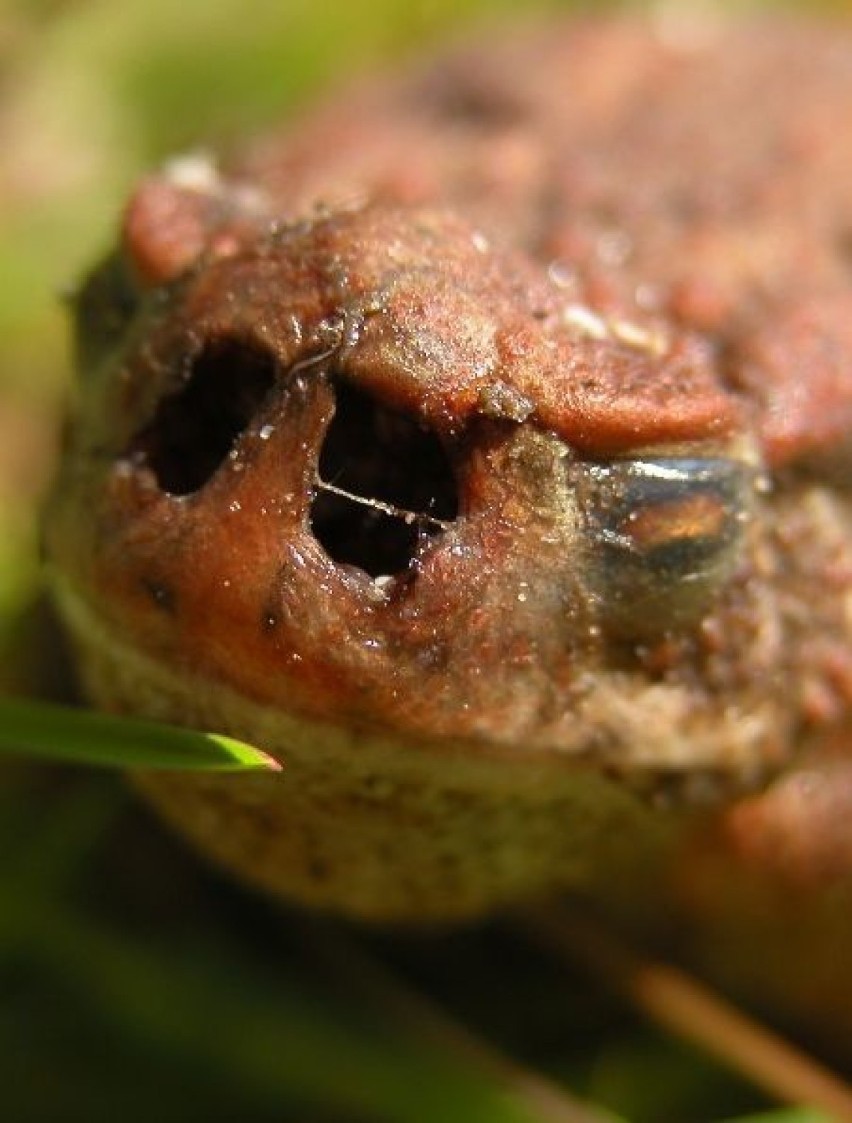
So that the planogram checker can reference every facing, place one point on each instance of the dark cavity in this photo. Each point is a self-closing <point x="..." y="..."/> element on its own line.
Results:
<point x="384" y="487"/>
<point x="194" y="429"/>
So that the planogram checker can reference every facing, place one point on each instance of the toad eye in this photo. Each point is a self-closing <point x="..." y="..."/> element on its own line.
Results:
<point x="663" y="536"/>
<point x="104" y="306"/>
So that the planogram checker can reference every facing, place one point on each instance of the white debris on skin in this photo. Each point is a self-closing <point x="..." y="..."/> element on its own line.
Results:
<point x="196" y="171"/>
<point x="652" y="341"/>
<point x="592" y="325"/>
<point x="585" y="320"/>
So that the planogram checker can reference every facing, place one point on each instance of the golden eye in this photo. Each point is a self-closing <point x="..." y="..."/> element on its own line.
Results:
<point x="663" y="536"/>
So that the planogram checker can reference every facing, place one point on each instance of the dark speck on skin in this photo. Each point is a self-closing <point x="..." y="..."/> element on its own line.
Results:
<point x="162" y="595"/>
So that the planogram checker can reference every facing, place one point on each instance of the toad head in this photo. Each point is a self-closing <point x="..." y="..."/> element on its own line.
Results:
<point x="475" y="561"/>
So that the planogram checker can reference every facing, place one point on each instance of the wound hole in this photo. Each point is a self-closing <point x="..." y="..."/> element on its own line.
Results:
<point x="193" y="430"/>
<point x="384" y="485"/>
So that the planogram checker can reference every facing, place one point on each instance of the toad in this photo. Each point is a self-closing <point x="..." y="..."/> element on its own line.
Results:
<point x="479" y="445"/>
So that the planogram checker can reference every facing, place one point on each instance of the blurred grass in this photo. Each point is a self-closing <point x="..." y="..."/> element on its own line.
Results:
<point x="67" y="735"/>
<point x="134" y="983"/>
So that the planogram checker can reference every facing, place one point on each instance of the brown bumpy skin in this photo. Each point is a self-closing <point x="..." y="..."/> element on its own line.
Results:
<point x="481" y="447"/>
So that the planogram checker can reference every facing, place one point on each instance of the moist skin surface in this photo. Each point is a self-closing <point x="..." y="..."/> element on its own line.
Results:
<point x="481" y="446"/>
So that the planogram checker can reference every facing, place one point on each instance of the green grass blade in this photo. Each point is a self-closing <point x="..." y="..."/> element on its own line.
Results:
<point x="72" y="736"/>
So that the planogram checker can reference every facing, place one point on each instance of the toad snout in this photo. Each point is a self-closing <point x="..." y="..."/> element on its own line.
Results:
<point x="386" y="454"/>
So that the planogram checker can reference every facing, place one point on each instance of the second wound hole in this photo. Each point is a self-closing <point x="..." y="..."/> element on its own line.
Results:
<point x="194" y="429"/>
<point x="384" y="484"/>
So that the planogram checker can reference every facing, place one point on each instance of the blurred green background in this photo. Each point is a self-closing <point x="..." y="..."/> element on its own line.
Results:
<point x="134" y="983"/>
